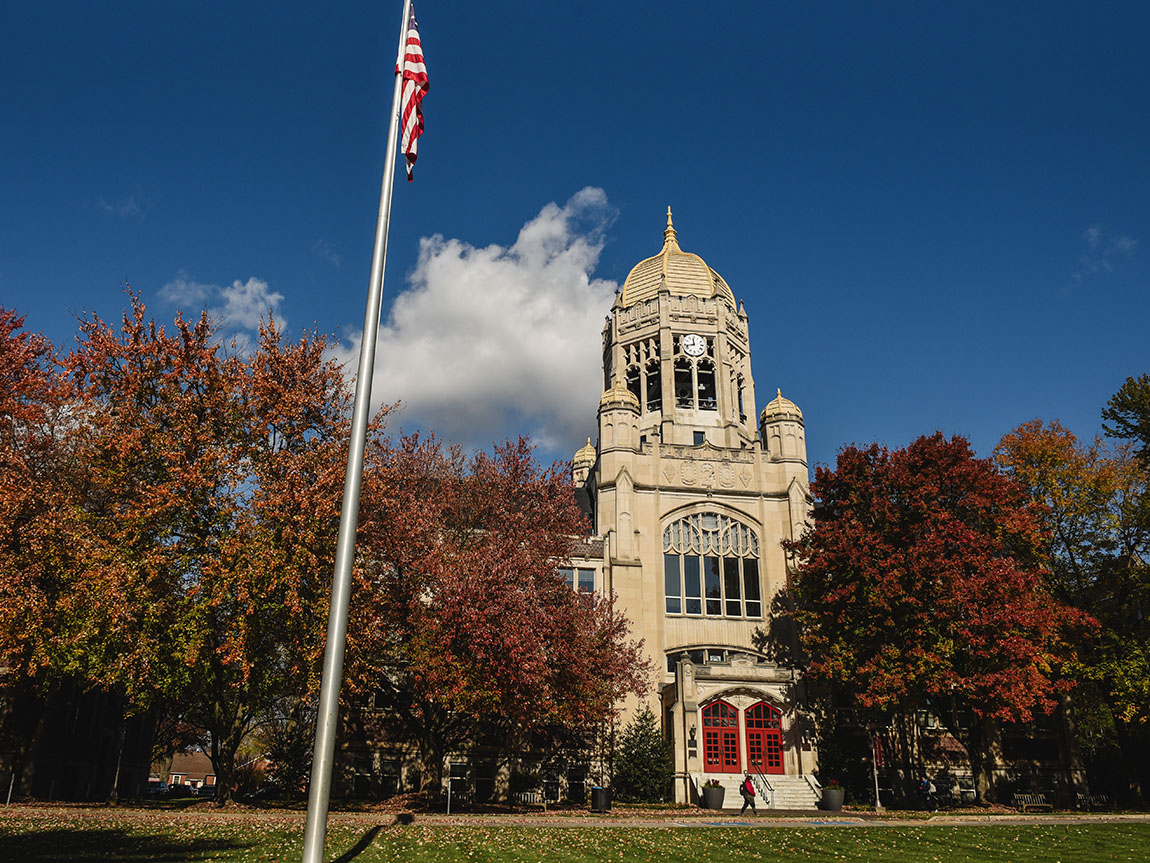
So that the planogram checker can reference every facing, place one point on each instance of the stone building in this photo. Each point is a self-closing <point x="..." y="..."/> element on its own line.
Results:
<point x="692" y="493"/>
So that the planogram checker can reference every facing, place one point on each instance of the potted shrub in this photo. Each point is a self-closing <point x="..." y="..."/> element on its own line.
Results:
<point x="833" y="796"/>
<point x="713" y="793"/>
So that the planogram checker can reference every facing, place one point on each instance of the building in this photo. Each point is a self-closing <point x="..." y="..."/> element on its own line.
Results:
<point x="692" y="494"/>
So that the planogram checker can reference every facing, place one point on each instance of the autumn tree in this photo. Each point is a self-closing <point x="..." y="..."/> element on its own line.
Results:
<point x="460" y="619"/>
<point x="1091" y="500"/>
<point x="209" y="518"/>
<point x="920" y="582"/>
<point x="37" y="463"/>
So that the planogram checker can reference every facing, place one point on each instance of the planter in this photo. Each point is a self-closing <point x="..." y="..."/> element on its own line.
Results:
<point x="713" y="797"/>
<point x="832" y="799"/>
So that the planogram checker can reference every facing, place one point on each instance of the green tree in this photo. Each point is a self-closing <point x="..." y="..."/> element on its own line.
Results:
<point x="644" y="765"/>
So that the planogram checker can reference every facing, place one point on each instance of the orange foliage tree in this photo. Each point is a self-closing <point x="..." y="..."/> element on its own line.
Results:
<point x="208" y="518"/>
<point x="921" y="583"/>
<point x="1095" y="504"/>
<point x="461" y="621"/>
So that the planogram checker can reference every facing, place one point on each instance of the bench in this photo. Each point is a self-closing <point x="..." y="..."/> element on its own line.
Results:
<point x="527" y="798"/>
<point x="1090" y="802"/>
<point x="1032" y="803"/>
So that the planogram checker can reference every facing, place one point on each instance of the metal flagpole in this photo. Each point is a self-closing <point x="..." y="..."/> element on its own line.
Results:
<point x="319" y="791"/>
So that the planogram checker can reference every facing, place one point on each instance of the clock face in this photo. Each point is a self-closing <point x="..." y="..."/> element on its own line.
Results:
<point x="694" y="345"/>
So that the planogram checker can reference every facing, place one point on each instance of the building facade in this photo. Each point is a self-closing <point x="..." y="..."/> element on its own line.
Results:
<point x="692" y="494"/>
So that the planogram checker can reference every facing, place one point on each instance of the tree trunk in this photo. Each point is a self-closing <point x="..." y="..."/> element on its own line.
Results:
<point x="908" y="760"/>
<point x="431" y="767"/>
<point x="985" y="757"/>
<point x="114" y="792"/>
<point x="1069" y="750"/>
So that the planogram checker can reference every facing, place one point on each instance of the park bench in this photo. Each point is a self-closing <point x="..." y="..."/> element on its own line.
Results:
<point x="1032" y="803"/>
<point x="527" y="798"/>
<point x="1091" y="802"/>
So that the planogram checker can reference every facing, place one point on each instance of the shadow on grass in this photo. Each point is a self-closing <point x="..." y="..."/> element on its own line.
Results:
<point x="359" y="847"/>
<point x="90" y="846"/>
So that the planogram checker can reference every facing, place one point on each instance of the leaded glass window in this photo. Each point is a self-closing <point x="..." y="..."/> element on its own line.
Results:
<point x="711" y="567"/>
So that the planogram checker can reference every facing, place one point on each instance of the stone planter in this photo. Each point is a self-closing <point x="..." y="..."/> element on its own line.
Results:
<point x="832" y="799"/>
<point x="713" y="797"/>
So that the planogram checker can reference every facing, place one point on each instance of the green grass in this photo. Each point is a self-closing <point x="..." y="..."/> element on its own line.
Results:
<point x="132" y="837"/>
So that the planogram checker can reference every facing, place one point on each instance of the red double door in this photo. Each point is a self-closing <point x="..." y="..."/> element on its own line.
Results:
<point x="764" y="738"/>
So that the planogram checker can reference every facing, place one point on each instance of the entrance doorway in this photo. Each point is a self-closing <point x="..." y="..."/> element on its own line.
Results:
<point x="720" y="738"/>
<point x="764" y="738"/>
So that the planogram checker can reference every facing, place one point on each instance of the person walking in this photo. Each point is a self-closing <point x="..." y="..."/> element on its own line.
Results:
<point x="747" y="789"/>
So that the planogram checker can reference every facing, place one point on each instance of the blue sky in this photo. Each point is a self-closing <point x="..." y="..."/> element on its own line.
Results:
<point x="936" y="213"/>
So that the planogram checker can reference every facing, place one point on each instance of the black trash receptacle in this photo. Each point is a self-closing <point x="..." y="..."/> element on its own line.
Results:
<point x="600" y="799"/>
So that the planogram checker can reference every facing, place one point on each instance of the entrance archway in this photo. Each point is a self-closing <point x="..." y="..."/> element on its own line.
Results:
<point x="720" y="738"/>
<point x="764" y="738"/>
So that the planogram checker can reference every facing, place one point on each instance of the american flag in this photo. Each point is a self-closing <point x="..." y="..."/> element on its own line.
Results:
<point x="414" y="89"/>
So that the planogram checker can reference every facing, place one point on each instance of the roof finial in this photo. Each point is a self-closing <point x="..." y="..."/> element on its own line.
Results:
<point x="669" y="235"/>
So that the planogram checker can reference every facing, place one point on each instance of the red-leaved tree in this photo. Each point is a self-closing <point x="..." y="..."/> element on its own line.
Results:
<point x="460" y="619"/>
<point x="921" y="582"/>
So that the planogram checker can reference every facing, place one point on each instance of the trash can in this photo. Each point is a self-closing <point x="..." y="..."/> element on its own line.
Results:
<point x="600" y="799"/>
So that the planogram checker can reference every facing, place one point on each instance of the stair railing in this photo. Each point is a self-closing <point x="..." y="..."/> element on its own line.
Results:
<point x="768" y="790"/>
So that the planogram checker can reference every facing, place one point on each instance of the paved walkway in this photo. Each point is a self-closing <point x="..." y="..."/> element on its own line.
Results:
<point x="581" y="819"/>
<point x="775" y="819"/>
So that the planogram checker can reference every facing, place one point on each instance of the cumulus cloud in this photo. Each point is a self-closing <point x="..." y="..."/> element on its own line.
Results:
<point x="1102" y="251"/>
<point x="237" y="308"/>
<point x="485" y="342"/>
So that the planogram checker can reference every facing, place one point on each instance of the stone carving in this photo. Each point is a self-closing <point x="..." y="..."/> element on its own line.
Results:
<point x="707" y="472"/>
<point x="689" y="473"/>
<point x="746" y="476"/>
<point x="727" y="475"/>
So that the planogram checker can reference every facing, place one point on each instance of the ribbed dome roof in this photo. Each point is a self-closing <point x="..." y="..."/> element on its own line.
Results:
<point x="618" y="394"/>
<point x="584" y="456"/>
<point x="780" y="407"/>
<point x="685" y="274"/>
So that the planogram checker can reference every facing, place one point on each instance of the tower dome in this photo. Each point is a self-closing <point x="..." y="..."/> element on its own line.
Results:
<point x="682" y="272"/>
<point x="780" y="408"/>
<point x="584" y="456"/>
<point x="618" y="396"/>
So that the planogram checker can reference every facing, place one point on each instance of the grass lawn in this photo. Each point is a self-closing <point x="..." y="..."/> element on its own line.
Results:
<point x="55" y="836"/>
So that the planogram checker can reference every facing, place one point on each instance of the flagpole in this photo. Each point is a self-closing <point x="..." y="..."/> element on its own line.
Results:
<point x="319" y="791"/>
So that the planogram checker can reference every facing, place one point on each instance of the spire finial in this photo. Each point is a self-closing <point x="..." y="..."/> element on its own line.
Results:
<point x="669" y="235"/>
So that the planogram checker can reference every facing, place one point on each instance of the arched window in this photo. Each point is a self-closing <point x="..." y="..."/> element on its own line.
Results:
<point x="684" y="385"/>
<point x="654" y="386"/>
<point x="711" y="567"/>
<point x="706" y="375"/>
<point x="633" y="383"/>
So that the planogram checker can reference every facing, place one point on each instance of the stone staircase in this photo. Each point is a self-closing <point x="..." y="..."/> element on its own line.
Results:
<point x="789" y="792"/>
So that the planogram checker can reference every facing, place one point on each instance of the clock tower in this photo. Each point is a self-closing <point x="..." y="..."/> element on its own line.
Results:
<point x="691" y="499"/>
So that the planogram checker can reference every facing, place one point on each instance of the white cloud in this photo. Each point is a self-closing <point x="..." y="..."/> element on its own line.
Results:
<point x="236" y="308"/>
<point x="1101" y="251"/>
<point x="131" y="207"/>
<point x="486" y="342"/>
<point x="324" y="250"/>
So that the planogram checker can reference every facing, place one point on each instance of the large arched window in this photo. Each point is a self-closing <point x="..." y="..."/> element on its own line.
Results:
<point x="711" y="567"/>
